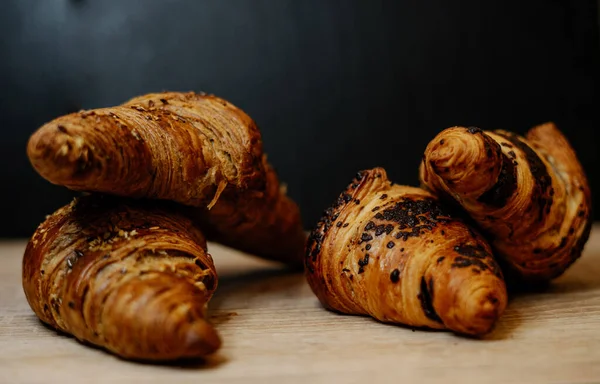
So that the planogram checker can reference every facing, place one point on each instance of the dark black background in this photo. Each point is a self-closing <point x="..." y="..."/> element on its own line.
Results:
<point x="336" y="86"/>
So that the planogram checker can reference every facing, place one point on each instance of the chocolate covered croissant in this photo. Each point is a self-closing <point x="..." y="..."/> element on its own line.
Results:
<point x="529" y="194"/>
<point x="194" y="149"/>
<point x="394" y="253"/>
<point x="129" y="278"/>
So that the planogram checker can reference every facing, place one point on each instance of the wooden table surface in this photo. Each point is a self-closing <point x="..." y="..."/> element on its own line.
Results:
<point x="274" y="331"/>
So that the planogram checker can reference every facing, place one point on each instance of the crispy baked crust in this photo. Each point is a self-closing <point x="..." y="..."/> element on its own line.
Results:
<point x="125" y="277"/>
<point x="194" y="149"/>
<point x="392" y="252"/>
<point x="172" y="146"/>
<point x="529" y="195"/>
<point x="267" y="223"/>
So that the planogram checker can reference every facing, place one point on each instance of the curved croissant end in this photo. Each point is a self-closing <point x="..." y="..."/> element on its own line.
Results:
<point x="171" y="146"/>
<point x="392" y="252"/>
<point x="131" y="279"/>
<point x="530" y="195"/>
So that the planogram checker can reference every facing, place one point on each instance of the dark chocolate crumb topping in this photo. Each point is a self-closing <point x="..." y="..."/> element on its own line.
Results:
<point x="563" y="242"/>
<point x="413" y="216"/>
<point x="475" y="255"/>
<point x="472" y="251"/>
<point x="538" y="171"/>
<point x="364" y="262"/>
<point x="395" y="275"/>
<point x="505" y="186"/>
<point x="366" y="237"/>
<point x="389" y="228"/>
<point x="426" y="298"/>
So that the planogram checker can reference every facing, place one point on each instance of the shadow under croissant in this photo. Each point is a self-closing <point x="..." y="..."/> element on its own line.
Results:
<point x="207" y="362"/>
<point x="248" y="284"/>
<point x="567" y="284"/>
<point x="580" y="277"/>
<point x="233" y="281"/>
<point x="510" y="320"/>
<point x="504" y="328"/>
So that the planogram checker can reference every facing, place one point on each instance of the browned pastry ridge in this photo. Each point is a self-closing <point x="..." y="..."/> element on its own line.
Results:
<point x="194" y="149"/>
<point x="529" y="194"/>
<point x="394" y="253"/>
<point x="131" y="279"/>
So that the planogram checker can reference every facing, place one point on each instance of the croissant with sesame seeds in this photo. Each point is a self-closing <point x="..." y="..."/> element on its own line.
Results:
<point x="394" y="253"/>
<point x="529" y="195"/>
<point x="123" y="276"/>
<point x="195" y="149"/>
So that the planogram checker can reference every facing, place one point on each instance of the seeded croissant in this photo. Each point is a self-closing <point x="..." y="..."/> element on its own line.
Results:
<point x="530" y="195"/>
<point x="194" y="149"/>
<point x="131" y="279"/>
<point x="394" y="253"/>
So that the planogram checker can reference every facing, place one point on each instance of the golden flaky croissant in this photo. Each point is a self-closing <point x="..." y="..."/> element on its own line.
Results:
<point x="530" y="195"/>
<point x="394" y="253"/>
<point x="131" y="279"/>
<point x="194" y="149"/>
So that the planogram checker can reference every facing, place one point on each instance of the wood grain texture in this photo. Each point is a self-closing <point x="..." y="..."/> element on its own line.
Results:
<point x="274" y="330"/>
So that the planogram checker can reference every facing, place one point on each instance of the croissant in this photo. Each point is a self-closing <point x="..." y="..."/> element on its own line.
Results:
<point x="128" y="278"/>
<point x="268" y="225"/>
<point x="394" y="253"/>
<point x="194" y="149"/>
<point x="529" y="195"/>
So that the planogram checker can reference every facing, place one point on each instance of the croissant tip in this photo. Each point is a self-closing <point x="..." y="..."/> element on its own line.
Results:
<point x="484" y="314"/>
<point x="57" y="154"/>
<point x="200" y="339"/>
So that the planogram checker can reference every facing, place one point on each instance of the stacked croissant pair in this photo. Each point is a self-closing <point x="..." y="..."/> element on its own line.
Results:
<point x="126" y="266"/>
<point x="495" y="210"/>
